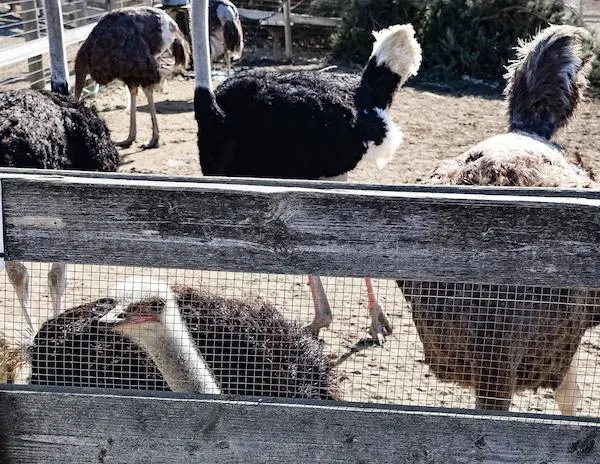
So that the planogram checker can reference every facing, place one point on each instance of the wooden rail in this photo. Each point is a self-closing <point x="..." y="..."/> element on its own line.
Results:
<point x="72" y="427"/>
<point x="39" y="46"/>
<point x="302" y="227"/>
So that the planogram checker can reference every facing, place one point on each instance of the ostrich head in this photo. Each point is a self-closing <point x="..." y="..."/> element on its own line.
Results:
<point x="148" y="313"/>
<point x="144" y="308"/>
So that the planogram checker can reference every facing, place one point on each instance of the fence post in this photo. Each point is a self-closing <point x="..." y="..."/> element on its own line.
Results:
<point x="29" y="17"/>
<point x="287" y="27"/>
<point x="59" y="73"/>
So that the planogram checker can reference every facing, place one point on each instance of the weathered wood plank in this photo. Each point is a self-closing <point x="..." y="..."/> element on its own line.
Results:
<point x="41" y="427"/>
<point x="446" y="234"/>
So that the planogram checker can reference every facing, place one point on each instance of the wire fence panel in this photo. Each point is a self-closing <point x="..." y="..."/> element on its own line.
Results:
<point x="535" y="349"/>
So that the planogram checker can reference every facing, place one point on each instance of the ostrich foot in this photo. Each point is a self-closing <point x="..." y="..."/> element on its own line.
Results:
<point x="380" y="325"/>
<point x="153" y="143"/>
<point x="320" y="321"/>
<point x="125" y="143"/>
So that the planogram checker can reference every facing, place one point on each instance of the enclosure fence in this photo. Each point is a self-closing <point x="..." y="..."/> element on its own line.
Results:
<point x="200" y="286"/>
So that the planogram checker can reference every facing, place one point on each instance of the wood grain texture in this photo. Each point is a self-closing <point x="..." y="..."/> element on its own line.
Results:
<point x="41" y="427"/>
<point x="540" y="237"/>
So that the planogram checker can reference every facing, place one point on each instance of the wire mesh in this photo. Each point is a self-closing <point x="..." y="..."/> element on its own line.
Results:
<point x="22" y="21"/>
<point x="451" y="343"/>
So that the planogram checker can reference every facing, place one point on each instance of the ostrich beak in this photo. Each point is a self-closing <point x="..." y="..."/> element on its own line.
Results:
<point x="118" y="316"/>
<point x="114" y="316"/>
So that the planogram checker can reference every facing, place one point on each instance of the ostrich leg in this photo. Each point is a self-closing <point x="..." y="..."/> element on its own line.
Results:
<point x="19" y="278"/>
<point x="57" y="283"/>
<point x="227" y="61"/>
<point x="132" y="123"/>
<point x="149" y="92"/>
<point x="380" y="326"/>
<point x="568" y="393"/>
<point x="323" y="316"/>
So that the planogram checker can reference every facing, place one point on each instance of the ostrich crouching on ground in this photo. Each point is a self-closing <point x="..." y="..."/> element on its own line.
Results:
<point x="303" y="125"/>
<point x="125" y="45"/>
<point x="500" y="339"/>
<point x="193" y="341"/>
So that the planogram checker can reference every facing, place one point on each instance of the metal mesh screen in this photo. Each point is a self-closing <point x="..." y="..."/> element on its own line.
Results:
<point x="23" y="21"/>
<point x="451" y="343"/>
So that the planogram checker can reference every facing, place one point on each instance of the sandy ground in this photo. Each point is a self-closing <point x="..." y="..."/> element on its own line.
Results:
<point x="436" y="124"/>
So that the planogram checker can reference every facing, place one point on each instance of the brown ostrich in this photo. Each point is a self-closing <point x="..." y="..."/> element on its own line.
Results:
<point x="500" y="339"/>
<point x="125" y="45"/>
<point x="152" y="336"/>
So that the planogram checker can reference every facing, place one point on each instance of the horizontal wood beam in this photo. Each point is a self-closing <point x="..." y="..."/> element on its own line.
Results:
<point x="536" y="237"/>
<point x="82" y="428"/>
<point x="39" y="46"/>
<point x="273" y="18"/>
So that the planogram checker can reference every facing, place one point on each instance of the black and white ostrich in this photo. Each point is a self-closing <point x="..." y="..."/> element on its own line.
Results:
<point x="225" y="32"/>
<point x="48" y="130"/>
<point x="125" y="45"/>
<point x="501" y="339"/>
<point x="185" y="340"/>
<point x="303" y="125"/>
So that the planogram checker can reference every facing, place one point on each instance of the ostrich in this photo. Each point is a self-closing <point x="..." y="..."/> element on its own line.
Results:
<point x="225" y="28"/>
<point x="125" y="45"/>
<point x="192" y="341"/>
<point x="303" y="125"/>
<point x="500" y="339"/>
<point x="48" y="130"/>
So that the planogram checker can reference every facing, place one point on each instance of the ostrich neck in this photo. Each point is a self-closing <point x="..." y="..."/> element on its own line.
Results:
<point x="174" y="353"/>
<point x="201" y="50"/>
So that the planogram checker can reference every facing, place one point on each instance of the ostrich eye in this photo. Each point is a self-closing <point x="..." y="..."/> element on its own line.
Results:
<point x="121" y="316"/>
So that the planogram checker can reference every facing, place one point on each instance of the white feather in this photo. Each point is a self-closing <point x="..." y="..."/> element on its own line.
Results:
<point x="384" y="152"/>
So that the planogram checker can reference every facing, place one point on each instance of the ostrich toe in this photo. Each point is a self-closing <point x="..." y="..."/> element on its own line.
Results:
<point x="380" y="325"/>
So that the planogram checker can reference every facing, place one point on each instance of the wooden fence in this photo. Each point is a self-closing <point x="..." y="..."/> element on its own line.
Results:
<point x="501" y="235"/>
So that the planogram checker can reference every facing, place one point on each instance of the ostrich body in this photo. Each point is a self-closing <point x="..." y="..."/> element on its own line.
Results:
<point x="303" y="125"/>
<point x="225" y="32"/>
<point x="500" y="339"/>
<point x="125" y="45"/>
<point x="248" y="346"/>
<point x="47" y="130"/>
<point x="544" y="87"/>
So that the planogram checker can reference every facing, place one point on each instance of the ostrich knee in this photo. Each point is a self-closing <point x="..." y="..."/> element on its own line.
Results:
<point x="57" y="283"/>
<point x="19" y="278"/>
<point x="149" y="92"/>
<point x="323" y="316"/>
<point x="568" y="393"/>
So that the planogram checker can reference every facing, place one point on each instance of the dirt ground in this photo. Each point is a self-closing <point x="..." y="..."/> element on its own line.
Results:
<point x="436" y="123"/>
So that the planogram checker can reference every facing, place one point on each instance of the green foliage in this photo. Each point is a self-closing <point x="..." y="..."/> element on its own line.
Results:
<point x="459" y="37"/>
<point x="354" y="41"/>
<point x="477" y="37"/>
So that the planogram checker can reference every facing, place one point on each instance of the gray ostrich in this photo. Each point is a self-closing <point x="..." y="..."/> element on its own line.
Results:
<point x="125" y="45"/>
<point x="500" y="339"/>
